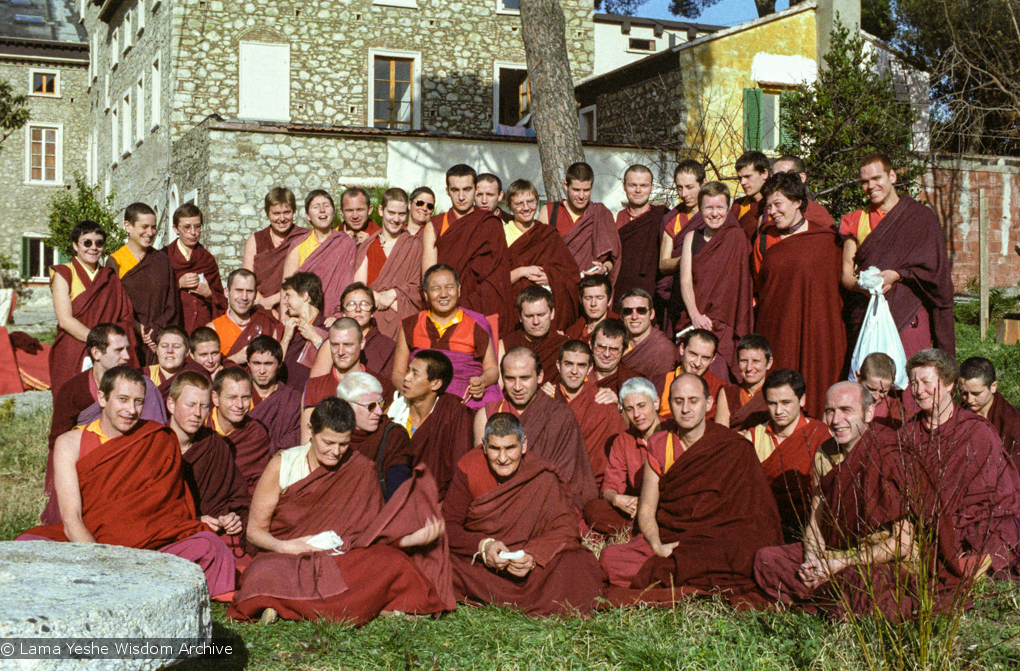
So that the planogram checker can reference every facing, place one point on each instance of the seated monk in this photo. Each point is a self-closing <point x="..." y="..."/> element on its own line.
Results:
<point x="248" y="439"/>
<point x="439" y="424"/>
<point x="384" y="442"/>
<point x="458" y="333"/>
<point x="697" y="350"/>
<point x="205" y="355"/>
<point x="740" y="405"/>
<point x="217" y="486"/>
<point x="536" y="307"/>
<point x="513" y="510"/>
<point x="266" y="250"/>
<point x="613" y="514"/>
<point x="639" y="226"/>
<point x="555" y="434"/>
<point x="244" y="320"/>
<point x="538" y="255"/>
<point x="979" y="392"/>
<point x="77" y="402"/>
<point x="275" y="405"/>
<point x="195" y="270"/>
<point x="119" y="482"/>
<point x="172" y="346"/>
<point x="594" y="408"/>
<point x="358" y="303"/>
<point x="877" y="374"/>
<point x="649" y="352"/>
<point x="609" y="342"/>
<point x="303" y="325"/>
<point x="325" y="251"/>
<point x="596" y="297"/>
<point x="697" y="537"/>
<point x="786" y="446"/>
<point x="325" y="488"/>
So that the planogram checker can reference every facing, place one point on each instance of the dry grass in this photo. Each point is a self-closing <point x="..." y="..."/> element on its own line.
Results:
<point x="22" y="469"/>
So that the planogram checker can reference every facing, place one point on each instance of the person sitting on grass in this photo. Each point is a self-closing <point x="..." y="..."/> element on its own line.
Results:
<point x="877" y="373"/>
<point x="979" y="392"/>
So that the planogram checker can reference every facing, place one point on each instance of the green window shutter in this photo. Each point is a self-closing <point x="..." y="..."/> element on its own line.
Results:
<point x="753" y="100"/>
<point x="25" y="255"/>
<point x="785" y="128"/>
<point x="62" y="258"/>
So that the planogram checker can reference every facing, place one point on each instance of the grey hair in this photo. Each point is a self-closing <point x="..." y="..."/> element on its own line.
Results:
<point x="503" y="424"/>
<point x="356" y="384"/>
<point x="638" y="385"/>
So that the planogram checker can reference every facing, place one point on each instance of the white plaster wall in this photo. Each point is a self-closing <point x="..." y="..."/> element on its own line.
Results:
<point x="779" y="69"/>
<point x="612" y="45"/>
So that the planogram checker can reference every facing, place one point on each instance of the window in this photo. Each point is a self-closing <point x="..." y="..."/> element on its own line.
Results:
<point x="586" y="117"/>
<point x="155" y="86"/>
<point x="37" y="258"/>
<point x="127" y="31"/>
<point x="763" y="124"/>
<point x="264" y="81"/>
<point x="114" y="48"/>
<point x="106" y="93"/>
<point x="45" y="83"/>
<point x="139" y="111"/>
<point x="508" y="6"/>
<point x="141" y="17"/>
<point x="641" y="45"/>
<point x="44" y="154"/>
<point x="90" y="158"/>
<point x="393" y="93"/>
<point x="512" y="92"/>
<point x="125" y="111"/>
<point x="411" y="4"/>
<point x="114" y="138"/>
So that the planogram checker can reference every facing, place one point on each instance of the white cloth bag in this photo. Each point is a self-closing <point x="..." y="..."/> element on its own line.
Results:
<point x="878" y="331"/>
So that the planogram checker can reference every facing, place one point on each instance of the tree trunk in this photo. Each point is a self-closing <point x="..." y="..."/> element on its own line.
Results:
<point x="543" y="29"/>
<point x="766" y="7"/>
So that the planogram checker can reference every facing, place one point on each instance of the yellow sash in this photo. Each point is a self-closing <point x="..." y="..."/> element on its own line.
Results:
<point x="863" y="226"/>
<point x="670" y="460"/>
<point x="125" y="260"/>
<point x="307" y="246"/>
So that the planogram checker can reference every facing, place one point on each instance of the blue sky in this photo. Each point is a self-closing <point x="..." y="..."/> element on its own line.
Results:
<point x="724" y="13"/>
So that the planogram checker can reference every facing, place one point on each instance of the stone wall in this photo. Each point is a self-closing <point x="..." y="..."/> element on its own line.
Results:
<point x="649" y="112"/>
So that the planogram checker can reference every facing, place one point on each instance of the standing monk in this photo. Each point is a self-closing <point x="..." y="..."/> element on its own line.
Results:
<point x="198" y="276"/>
<point x="639" y="226"/>
<point x="266" y="251"/>
<point x="753" y="168"/>
<point x="470" y="240"/>
<point x="244" y="320"/>
<point x="688" y="178"/>
<point x="815" y="211"/>
<point x="423" y="202"/>
<point x="148" y="279"/>
<point x="537" y="310"/>
<point x="304" y="329"/>
<point x="649" y="353"/>
<point x="355" y="206"/>
<point x="901" y="238"/>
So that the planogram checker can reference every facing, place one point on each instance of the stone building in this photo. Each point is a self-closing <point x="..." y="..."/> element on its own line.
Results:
<point x="44" y="55"/>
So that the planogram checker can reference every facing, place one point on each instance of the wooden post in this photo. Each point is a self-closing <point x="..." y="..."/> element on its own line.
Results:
<point x="983" y="258"/>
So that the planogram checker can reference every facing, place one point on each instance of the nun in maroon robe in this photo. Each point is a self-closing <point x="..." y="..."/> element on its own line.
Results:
<point x="1006" y="420"/>
<point x="542" y="246"/>
<point x="197" y="310"/>
<point x="401" y="271"/>
<point x="639" y="250"/>
<point x="333" y="262"/>
<point x="154" y="295"/>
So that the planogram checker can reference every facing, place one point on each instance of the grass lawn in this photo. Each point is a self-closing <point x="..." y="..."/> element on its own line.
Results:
<point x="696" y="635"/>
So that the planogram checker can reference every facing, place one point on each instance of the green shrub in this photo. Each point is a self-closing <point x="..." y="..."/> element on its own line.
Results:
<point x="68" y="209"/>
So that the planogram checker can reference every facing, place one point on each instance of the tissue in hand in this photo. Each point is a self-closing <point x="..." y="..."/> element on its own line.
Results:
<point x="327" y="540"/>
<point x="870" y="279"/>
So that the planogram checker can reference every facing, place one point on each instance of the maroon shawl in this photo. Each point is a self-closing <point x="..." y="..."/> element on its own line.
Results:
<point x="301" y="353"/>
<point x="665" y="287"/>
<point x="817" y="213"/>
<point x="443" y="438"/>
<point x="280" y="414"/>
<point x="744" y="416"/>
<point x="269" y="260"/>
<point x="542" y="246"/>
<point x="396" y="452"/>
<point x="197" y="310"/>
<point x="909" y="241"/>
<point x="333" y="262"/>
<point x="600" y="424"/>
<point x="616" y="379"/>
<point x="249" y="443"/>
<point x="639" y="255"/>
<point x="748" y="222"/>
<point x="216" y="484"/>
<point x="262" y="322"/>
<point x="547" y="349"/>
<point x="1006" y="420"/>
<point x="402" y="273"/>
<point x="788" y="470"/>
<point x="377" y="354"/>
<point x="800" y="309"/>
<point x="154" y="295"/>
<point x="655" y="355"/>
<point x="593" y="237"/>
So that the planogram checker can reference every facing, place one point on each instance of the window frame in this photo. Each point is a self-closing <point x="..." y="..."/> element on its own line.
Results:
<point x="155" y="91"/>
<point x="30" y="238"/>
<point x="44" y="71"/>
<point x="594" y="122"/>
<point x="501" y="8"/>
<point x="58" y="170"/>
<point x="415" y="58"/>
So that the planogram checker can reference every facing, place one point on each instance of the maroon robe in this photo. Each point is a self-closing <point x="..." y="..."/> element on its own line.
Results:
<point x="639" y="255"/>
<point x="333" y="262"/>
<point x="280" y="414"/>
<point x="443" y="438"/>
<point x="655" y="355"/>
<point x="154" y="296"/>
<point x="197" y="310"/>
<point x="909" y="241"/>
<point x="753" y="211"/>
<point x="1006" y="420"/>
<point x="269" y="260"/>
<point x="592" y="238"/>
<point x="579" y="330"/>
<point x="213" y="478"/>
<point x="377" y="354"/>
<point x="799" y="309"/>
<point x="664" y="288"/>
<point x="250" y="446"/>
<point x="531" y="511"/>
<point x="300" y="354"/>
<point x="624" y="475"/>
<point x="745" y="415"/>
<point x="393" y="458"/>
<point x="262" y="322"/>
<point x="24" y="362"/>
<point x="615" y="380"/>
<point x="402" y="273"/>
<point x="547" y="349"/>
<point x="817" y="213"/>
<point x="600" y="423"/>
<point x="543" y="246"/>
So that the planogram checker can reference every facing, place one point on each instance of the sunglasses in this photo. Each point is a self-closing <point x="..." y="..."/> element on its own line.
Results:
<point x="354" y="305"/>
<point x="88" y="243"/>
<point x="626" y="312"/>
<point x="428" y="206"/>
<point x="371" y="407"/>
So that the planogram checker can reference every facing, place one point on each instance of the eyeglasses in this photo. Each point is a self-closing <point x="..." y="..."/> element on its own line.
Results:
<point x="427" y="205"/>
<point x="607" y="348"/>
<point x="354" y="305"/>
<point x="197" y="228"/>
<point x="87" y="243"/>
<point x="371" y="407"/>
<point x="626" y="312"/>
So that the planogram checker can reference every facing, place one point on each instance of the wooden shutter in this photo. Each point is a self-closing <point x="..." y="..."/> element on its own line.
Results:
<point x="26" y="254"/>
<point x="753" y="101"/>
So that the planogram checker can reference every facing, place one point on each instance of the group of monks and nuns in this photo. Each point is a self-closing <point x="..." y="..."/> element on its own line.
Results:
<point x="325" y="488"/>
<point x="205" y="352"/>
<point x="786" y="445"/>
<point x="753" y="169"/>
<point x="877" y="373"/>
<point x="301" y="305"/>
<point x="216" y="484"/>
<point x="172" y="345"/>
<point x="649" y="352"/>
<point x="390" y="262"/>
<point x="77" y="400"/>
<point x="470" y="240"/>
<point x="539" y="256"/>
<point x="375" y="435"/>
<point x="244" y="320"/>
<point x="148" y="279"/>
<point x="439" y="424"/>
<point x="979" y="392"/>
<point x="704" y="511"/>
<point x="903" y="239"/>
<point x="595" y="408"/>
<point x="608" y="343"/>
<point x="324" y="251"/>
<point x="423" y="202"/>
<point x="688" y="178"/>
<point x="195" y="271"/>
<point x="741" y="405"/>
<point x="266" y="250"/>
<point x="596" y="293"/>
<point x="697" y="350"/>
<point x="513" y="530"/>
<point x="639" y="226"/>
<point x="536" y="307"/>
<point x="118" y="482"/>
<point x="85" y="295"/>
<point x="800" y="301"/>
<point x="552" y="426"/>
<point x="345" y="344"/>
<point x="489" y="193"/>
<point x="716" y="291"/>
<point x="275" y="405"/>
<point x="613" y="514"/>
<point x="456" y="331"/>
<point x="355" y="208"/>
<point x="588" y="228"/>
<point x="794" y="165"/>
<point x="248" y="439"/>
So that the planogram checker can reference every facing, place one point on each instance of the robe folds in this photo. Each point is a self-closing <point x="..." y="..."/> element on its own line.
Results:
<point x="213" y="479"/>
<point x="600" y="423"/>
<point x="743" y="416"/>
<point x="402" y="273"/>
<point x="592" y="238"/>
<point x="655" y="355"/>
<point x="280" y="414"/>
<point x="262" y="322"/>
<point x="543" y="246"/>
<point x="333" y="262"/>
<point x="372" y="574"/>
<point x="269" y="260"/>
<point x="723" y="290"/>
<point x="816" y="212"/>
<point x="580" y="330"/>
<point x="301" y="353"/>
<point x="443" y="438"/>
<point x="799" y="309"/>
<point x="547" y="349"/>
<point x="748" y="213"/>
<point x="154" y="295"/>
<point x="474" y="245"/>
<point x="553" y="434"/>
<point x="100" y="300"/>
<point x="639" y="255"/>
<point x="389" y="448"/>
<point x="531" y="511"/>
<point x="24" y="363"/>
<point x="615" y="379"/>
<point x="377" y="354"/>
<point x="249" y="443"/>
<point x="624" y="475"/>
<point x="676" y="225"/>
<point x="197" y="310"/>
<point x="1006" y="420"/>
<point x="909" y="240"/>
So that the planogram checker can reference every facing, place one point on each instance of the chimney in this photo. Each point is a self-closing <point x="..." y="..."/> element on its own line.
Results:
<point x="849" y="14"/>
